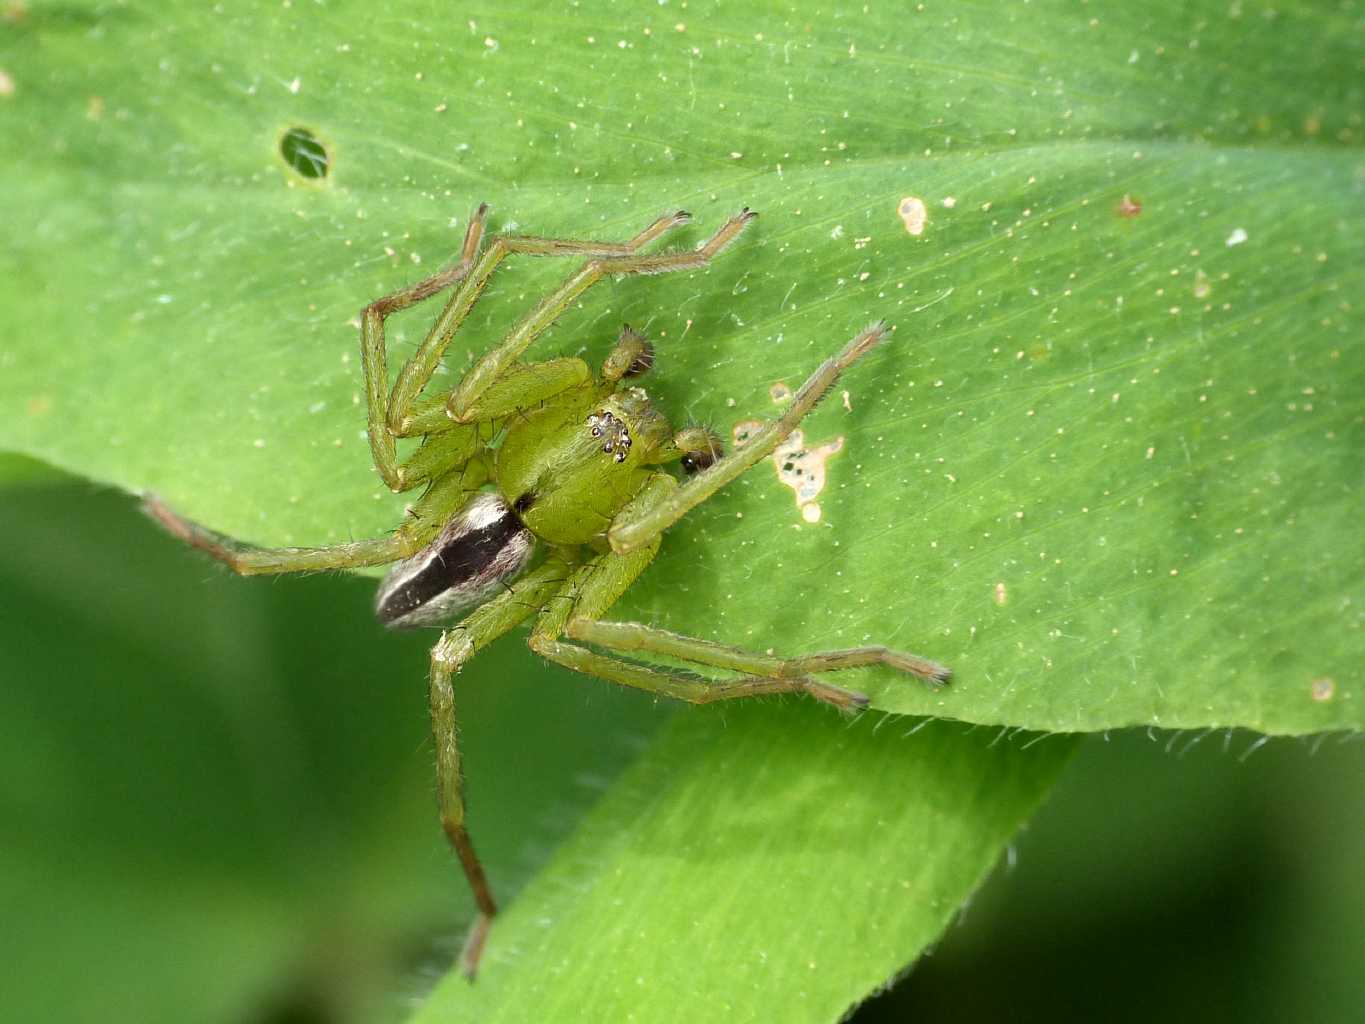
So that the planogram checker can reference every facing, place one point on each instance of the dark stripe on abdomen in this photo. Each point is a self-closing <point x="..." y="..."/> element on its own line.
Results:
<point x="461" y="559"/>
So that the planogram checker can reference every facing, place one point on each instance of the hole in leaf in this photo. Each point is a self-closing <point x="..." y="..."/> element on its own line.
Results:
<point x="303" y="152"/>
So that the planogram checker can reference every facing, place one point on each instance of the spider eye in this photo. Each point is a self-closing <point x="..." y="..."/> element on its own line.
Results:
<point x="617" y="443"/>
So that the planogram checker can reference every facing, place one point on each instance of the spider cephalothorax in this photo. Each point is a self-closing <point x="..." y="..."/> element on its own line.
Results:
<point x="547" y="456"/>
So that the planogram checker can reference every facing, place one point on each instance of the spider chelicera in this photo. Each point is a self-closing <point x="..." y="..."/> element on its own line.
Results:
<point x="523" y="452"/>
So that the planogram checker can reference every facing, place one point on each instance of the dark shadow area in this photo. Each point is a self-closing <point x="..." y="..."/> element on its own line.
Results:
<point x="1167" y="882"/>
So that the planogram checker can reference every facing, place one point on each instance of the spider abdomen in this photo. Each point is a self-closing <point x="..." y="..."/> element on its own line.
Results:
<point x="480" y="548"/>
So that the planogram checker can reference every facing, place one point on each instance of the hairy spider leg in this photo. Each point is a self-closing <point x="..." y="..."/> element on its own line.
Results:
<point x="447" y="443"/>
<point x="523" y="386"/>
<point x="394" y="413"/>
<point x="456" y="646"/>
<point x="375" y="360"/>
<point x="416" y="373"/>
<point x="633" y="636"/>
<point x="432" y="511"/>
<point x="639" y="525"/>
<point x="440" y="453"/>
<point x="464" y="404"/>
<point x="576" y="610"/>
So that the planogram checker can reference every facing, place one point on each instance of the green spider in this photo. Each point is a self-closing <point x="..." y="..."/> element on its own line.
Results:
<point x="523" y="452"/>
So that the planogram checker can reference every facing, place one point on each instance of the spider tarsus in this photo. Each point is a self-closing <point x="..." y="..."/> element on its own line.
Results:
<point x="473" y="946"/>
<point x="176" y="525"/>
<point x="844" y="700"/>
<point x="931" y="672"/>
<point x="868" y="338"/>
<point x="190" y="533"/>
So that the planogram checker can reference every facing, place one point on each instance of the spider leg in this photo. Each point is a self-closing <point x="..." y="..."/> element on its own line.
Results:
<point x="523" y="386"/>
<point x="456" y="646"/>
<point x="417" y="371"/>
<point x="438" y="453"/>
<point x="596" y="586"/>
<point x="639" y="526"/>
<point x="374" y="356"/>
<point x="633" y="636"/>
<point x="482" y="374"/>
<point x="429" y="514"/>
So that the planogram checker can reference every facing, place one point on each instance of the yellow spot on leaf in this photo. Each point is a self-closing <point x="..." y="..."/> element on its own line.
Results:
<point x="799" y="467"/>
<point x="913" y="214"/>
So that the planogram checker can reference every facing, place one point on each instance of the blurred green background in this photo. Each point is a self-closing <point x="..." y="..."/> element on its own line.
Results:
<point x="217" y="806"/>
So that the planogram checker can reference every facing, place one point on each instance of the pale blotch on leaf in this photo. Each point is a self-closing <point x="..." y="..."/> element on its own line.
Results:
<point x="780" y="393"/>
<point x="1001" y="594"/>
<point x="797" y="466"/>
<point x="913" y="214"/>
<point x="1203" y="287"/>
<point x="1324" y="688"/>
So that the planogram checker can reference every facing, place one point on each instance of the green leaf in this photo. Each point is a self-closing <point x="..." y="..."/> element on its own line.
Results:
<point x="754" y="860"/>
<point x="1105" y="469"/>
